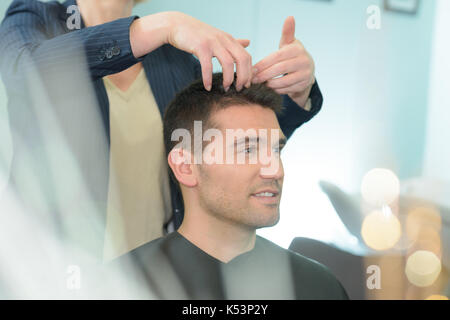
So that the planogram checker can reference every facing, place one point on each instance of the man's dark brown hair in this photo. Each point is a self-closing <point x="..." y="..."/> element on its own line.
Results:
<point x="195" y="103"/>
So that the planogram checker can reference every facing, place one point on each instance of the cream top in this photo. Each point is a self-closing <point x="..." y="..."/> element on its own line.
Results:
<point x="138" y="192"/>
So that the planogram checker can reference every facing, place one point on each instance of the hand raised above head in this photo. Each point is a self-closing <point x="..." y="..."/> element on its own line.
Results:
<point x="289" y="70"/>
<point x="198" y="38"/>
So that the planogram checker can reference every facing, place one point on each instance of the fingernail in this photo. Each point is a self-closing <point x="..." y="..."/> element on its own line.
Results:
<point x="227" y="88"/>
<point x="208" y="87"/>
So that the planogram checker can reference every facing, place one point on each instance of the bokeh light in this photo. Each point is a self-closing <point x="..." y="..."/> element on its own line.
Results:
<point x="436" y="297"/>
<point x="423" y="226"/>
<point x="380" y="187"/>
<point x="421" y="217"/>
<point x="381" y="229"/>
<point x="428" y="239"/>
<point x="422" y="268"/>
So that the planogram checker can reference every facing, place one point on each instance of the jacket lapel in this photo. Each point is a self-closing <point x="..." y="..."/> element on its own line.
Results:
<point x="158" y="71"/>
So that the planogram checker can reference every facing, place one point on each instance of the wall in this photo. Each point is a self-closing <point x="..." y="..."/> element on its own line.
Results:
<point x="437" y="151"/>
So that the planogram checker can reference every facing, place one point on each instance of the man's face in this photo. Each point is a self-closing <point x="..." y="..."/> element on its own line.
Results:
<point x="239" y="192"/>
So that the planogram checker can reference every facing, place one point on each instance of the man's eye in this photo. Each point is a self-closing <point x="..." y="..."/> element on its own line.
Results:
<point x="277" y="150"/>
<point x="249" y="149"/>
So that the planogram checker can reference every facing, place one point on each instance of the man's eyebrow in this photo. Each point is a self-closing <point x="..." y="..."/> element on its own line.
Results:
<point x="246" y="140"/>
<point x="281" y="142"/>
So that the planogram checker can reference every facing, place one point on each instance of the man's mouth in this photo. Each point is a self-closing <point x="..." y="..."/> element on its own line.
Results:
<point x="267" y="196"/>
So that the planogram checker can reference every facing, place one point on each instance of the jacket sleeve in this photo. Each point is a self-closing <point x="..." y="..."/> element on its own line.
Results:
<point x="294" y="116"/>
<point x="26" y="39"/>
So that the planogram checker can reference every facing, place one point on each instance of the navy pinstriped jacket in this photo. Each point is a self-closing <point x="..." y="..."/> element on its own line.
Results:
<point x="39" y="29"/>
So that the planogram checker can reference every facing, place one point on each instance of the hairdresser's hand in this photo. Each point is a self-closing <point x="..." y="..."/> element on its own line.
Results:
<point x="206" y="42"/>
<point x="191" y="35"/>
<point x="291" y="64"/>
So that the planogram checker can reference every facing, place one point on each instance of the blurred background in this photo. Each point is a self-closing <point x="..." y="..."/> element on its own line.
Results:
<point x="367" y="183"/>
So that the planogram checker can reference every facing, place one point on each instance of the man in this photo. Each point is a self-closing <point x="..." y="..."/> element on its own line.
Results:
<point x="230" y="188"/>
<point x="119" y="53"/>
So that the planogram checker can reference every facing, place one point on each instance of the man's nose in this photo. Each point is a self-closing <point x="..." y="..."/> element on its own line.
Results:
<point x="274" y="170"/>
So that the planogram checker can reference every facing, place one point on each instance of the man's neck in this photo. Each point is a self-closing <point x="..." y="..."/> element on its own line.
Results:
<point x="95" y="12"/>
<point x="220" y="239"/>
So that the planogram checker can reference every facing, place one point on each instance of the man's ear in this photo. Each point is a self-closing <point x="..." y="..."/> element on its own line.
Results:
<point x="181" y="163"/>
